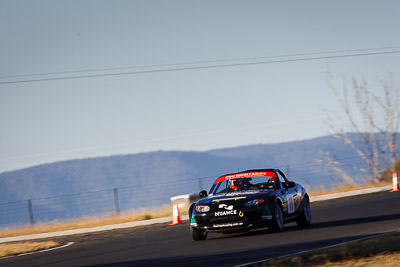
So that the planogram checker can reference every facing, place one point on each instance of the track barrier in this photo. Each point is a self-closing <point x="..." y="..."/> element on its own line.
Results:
<point x="176" y="218"/>
<point x="395" y="186"/>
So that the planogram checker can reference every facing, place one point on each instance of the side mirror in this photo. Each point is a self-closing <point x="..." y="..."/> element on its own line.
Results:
<point x="203" y="193"/>
<point x="290" y="184"/>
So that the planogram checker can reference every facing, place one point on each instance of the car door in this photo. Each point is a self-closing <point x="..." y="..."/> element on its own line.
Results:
<point x="289" y="195"/>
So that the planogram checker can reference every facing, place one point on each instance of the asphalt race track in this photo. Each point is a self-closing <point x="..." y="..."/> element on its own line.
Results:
<point x="333" y="222"/>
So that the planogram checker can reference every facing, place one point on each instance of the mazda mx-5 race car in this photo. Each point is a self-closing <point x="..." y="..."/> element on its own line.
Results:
<point x="250" y="199"/>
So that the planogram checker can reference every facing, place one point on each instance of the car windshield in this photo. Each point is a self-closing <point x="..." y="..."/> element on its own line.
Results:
<point x="259" y="183"/>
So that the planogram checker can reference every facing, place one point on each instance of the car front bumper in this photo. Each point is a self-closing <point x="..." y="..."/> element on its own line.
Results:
<point x="248" y="219"/>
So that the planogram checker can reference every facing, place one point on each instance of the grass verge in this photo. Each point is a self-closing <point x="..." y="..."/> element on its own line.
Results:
<point x="25" y="247"/>
<point x="56" y="226"/>
<point x="376" y="251"/>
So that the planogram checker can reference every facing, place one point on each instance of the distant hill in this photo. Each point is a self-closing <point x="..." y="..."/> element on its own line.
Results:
<point x="150" y="179"/>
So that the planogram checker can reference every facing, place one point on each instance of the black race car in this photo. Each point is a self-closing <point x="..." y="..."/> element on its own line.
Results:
<point x="250" y="199"/>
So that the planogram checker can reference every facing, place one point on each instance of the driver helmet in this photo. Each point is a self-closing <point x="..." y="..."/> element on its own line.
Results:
<point x="235" y="184"/>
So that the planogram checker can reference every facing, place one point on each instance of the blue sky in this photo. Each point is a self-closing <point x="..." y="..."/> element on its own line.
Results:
<point x="192" y="109"/>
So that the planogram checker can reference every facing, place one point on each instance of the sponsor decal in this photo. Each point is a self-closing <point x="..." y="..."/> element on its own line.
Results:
<point x="224" y="206"/>
<point x="227" y="224"/>
<point x="241" y="214"/>
<point x="290" y="204"/>
<point x="245" y="175"/>
<point x="226" y="210"/>
<point x="225" y="213"/>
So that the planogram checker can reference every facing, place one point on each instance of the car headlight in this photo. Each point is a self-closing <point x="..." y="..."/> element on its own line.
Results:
<point x="254" y="202"/>
<point x="202" y="208"/>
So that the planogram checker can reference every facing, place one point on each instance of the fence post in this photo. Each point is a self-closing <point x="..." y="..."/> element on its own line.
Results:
<point x="31" y="218"/>
<point x="288" y="172"/>
<point x="200" y="184"/>
<point x="116" y="201"/>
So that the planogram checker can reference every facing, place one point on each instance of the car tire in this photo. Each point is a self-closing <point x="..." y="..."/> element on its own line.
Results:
<point x="198" y="235"/>
<point x="304" y="218"/>
<point x="277" y="219"/>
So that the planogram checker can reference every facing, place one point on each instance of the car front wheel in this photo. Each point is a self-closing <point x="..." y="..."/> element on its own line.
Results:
<point x="198" y="234"/>
<point x="277" y="219"/>
<point x="305" y="216"/>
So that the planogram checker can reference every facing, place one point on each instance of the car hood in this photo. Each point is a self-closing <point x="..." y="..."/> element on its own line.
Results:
<point x="241" y="196"/>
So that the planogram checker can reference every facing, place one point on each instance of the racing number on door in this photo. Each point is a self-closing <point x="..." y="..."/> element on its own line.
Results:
<point x="290" y="204"/>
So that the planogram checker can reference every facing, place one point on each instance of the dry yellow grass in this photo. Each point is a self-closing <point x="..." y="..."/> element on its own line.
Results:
<point x="381" y="260"/>
<point x="25" y="247"/>
<point x="89" y="222"/>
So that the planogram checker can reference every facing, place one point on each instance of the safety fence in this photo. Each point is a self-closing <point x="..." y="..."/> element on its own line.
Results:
<point x="98" y="204"/>
<point x="115" y="201"/>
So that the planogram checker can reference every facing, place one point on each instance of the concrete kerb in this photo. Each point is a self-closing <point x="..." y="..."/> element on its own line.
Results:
<point x="168" y="219"/>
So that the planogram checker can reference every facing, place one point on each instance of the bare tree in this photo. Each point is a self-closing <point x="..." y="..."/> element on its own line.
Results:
<point x="373" y="118"/>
